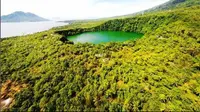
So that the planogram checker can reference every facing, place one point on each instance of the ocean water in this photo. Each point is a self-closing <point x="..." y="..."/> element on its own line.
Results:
<point x="23" y="28"/>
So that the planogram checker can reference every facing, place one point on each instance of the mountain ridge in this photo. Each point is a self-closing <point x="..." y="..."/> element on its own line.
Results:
<point x="20" y="16"/>
<point x="171" y="4"/>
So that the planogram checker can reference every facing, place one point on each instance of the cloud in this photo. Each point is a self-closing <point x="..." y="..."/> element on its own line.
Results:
<point x="115" y="1"/>
<point x="77" y="9"/>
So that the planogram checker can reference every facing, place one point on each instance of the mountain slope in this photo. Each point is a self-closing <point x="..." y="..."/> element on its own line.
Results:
<point x="174" y="4"/>
<point x="20" y="16"/>
<point x="170" y="5"/>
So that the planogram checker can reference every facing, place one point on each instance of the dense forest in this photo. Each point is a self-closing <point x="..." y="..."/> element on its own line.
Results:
<point x="161" y="71"/>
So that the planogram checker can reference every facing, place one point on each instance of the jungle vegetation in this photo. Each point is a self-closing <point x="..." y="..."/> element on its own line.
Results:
<point x="160" y="71"/>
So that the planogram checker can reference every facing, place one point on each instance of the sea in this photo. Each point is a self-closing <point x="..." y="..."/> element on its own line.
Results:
<point x="23" y="28"/>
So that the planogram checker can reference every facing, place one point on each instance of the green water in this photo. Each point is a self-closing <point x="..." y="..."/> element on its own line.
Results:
<point x="104" y="36"/>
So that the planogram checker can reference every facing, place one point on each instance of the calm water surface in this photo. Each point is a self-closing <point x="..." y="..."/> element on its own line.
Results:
<point x="104" y="36"/>
<point x="23" y="28"/>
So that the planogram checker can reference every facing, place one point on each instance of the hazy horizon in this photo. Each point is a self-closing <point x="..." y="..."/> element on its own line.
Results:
<point x="76" y="9"/>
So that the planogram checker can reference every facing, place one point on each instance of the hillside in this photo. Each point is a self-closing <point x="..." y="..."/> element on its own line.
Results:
<point x="174" y="4"/>
<point x="159" y="72"/>
<point x="20" y="16"/>
<point x="170" y="5"/>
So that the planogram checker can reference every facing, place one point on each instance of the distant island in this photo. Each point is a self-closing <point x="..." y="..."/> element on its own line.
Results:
<point x="20" y="16"/>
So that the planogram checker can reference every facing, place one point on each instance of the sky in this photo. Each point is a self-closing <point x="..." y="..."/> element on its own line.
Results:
<point x="77" y="9"/>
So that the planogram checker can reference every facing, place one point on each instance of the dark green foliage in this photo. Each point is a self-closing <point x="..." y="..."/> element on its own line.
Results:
<point x="157" y="72"/>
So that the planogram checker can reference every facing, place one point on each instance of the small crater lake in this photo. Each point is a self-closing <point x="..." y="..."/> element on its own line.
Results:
<point x="104" y="36"/>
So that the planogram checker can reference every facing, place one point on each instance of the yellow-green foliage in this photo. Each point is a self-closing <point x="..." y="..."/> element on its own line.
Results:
<point x="160" y="71"/>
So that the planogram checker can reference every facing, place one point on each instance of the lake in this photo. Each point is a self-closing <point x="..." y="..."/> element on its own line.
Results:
<point x="23" y="28"/>
<point x="104" y="36"/>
